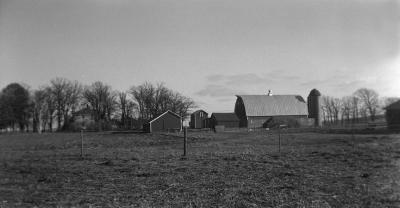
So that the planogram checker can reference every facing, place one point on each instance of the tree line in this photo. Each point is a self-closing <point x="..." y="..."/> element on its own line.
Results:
<point x="60" y="100"/>
<point x="362" y="106"/>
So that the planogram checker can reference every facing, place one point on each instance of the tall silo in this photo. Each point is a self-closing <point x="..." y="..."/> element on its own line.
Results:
<point x="314" y="108"/>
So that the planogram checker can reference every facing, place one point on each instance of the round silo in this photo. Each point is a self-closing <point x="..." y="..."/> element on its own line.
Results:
<point x="314" y="108"/>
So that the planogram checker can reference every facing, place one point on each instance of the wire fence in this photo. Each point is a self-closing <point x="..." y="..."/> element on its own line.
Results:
<point x="357" y="128"/>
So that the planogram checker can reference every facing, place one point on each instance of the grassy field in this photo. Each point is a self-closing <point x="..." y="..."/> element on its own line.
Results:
<point x="239" y="169"/>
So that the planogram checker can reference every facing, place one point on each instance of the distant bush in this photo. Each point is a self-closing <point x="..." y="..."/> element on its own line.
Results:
<point x="274" y="122"/>
<point x="88" y="124"/>
<point x="104" y="125"/>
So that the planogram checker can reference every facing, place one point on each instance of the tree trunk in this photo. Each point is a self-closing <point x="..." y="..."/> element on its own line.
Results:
<point x="51" y="124"/>
<point x="58" y="122"/>
<point x="34" y="125"/>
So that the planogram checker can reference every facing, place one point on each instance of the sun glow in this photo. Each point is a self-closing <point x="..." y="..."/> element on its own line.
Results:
<point x="390" y="77"/>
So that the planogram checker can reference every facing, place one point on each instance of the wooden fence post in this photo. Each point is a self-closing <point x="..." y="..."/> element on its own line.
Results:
<point x="81" y="143"/>
<point x="184" y="141"/>
<point x="279" y="133"/>
<point x="353" y="138"/>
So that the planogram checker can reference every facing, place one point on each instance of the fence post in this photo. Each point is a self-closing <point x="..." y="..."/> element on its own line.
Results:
<point x="184" y="141"/>
<point x="353" y="138"/>
<point x="81" y="143"/>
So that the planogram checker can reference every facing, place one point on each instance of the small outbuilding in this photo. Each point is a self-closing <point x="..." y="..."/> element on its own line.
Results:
<point x="164" y="122"/>
<point x="393" y="115"/>
<point x="229" y="120"/>
<point x="199" y="119"/>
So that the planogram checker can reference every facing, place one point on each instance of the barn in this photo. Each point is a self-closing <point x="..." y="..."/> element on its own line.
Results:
<point x="164" y="122"/>
<point x="393" y="115"/>
<point x="229" y="120"/>
<point x="254" y="111"/>
<point x="199" y="119"/>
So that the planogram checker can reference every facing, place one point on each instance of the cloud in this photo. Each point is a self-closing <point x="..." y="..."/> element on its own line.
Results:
<point x="281" y="75"/>
<point x="215" y="77"/>
<point x="223" y="85"/>
<point x="246" y="79"/>
<point x="315" y="83"/>
<point x="227" y="99"/>
<point x="239" y="79"/>
<point x="350" y="86"/>
<point x="214" y="90"/>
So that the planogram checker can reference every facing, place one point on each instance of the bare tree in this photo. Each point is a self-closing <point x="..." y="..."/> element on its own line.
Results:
<point x="39" y="109"/>
<point x="364" y="113"/>
<point x="346" y="109"/>
<point x="355" y="105"/>
<point x="122" y="104"/>
<point x="181" y="104"/>
<point x="335" y="104"/>
<point x="324" y="114"/>
<point x="101" y="100"/>
<point x="154" y="100"/>
<point x="74" y="95"/>
<point x="328" y="109"/>
<point x="126" y="108"/>
<point x="66" y="96"/>
<point x="370" y="101"/>
<point x="58" y="86"/>
<point x="144" y="96"/>
<point x="161" y="99"/>
<point x="50" y="109"/>
<point x="331" y="108"/>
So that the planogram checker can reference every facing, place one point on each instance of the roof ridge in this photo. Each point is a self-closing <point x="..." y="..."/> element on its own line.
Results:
<point x="164" y="114"/>
<point x="394" y="105"/>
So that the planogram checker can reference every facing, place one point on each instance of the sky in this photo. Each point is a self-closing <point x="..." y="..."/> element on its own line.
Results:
<point x="209" y="50"/>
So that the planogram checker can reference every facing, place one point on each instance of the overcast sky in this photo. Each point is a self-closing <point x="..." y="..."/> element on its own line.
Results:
<point x="207" y="50"/>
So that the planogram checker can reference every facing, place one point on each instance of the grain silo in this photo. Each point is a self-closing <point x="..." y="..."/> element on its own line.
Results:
<point x="314" y="109"/>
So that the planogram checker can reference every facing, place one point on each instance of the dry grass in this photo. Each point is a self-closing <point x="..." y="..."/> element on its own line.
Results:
<point x="222" y="170"/>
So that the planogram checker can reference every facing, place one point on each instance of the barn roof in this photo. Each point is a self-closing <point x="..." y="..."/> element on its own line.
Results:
<point x="168" y="111"/>
<point x="393" y="106"/>
<point x="275" y="105"/>
<point x="225" y="116"/>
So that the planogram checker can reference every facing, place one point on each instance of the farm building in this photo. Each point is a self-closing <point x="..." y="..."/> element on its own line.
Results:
<point x="314" y="107"/>
<point x="254" y="111"/>
<point x="393" y="115"/>
<point x="229" y="120"/>
<point x="166" y="121"/>
<point x="199" y="119"/>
